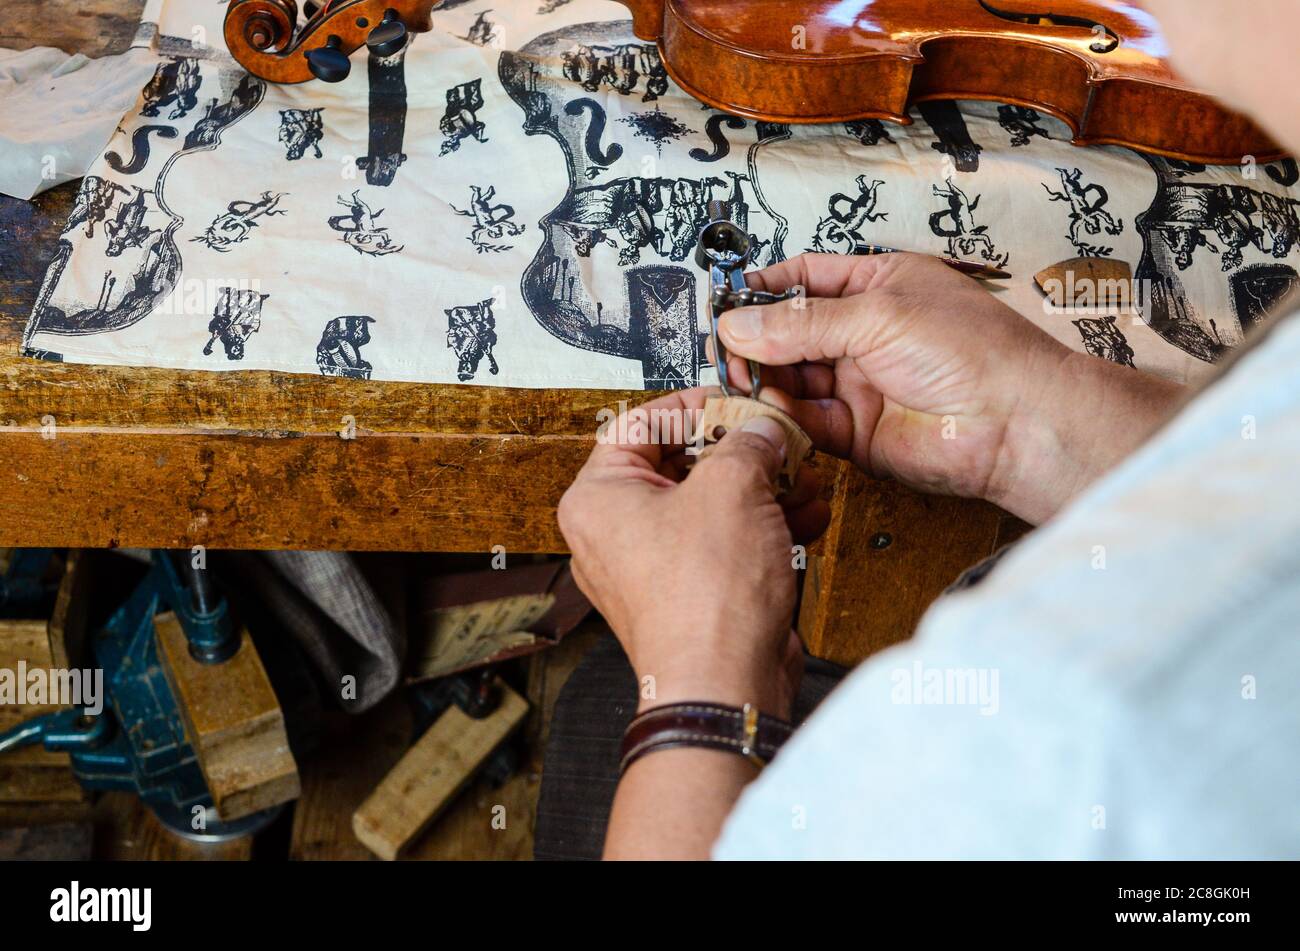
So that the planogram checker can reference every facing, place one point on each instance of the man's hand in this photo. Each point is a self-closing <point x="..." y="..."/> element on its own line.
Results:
<point x="695" y="575"/>
<point x="911" y="370"/>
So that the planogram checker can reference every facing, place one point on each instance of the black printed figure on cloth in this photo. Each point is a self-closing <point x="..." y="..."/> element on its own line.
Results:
<point x="1188" y="223"/>
<point x="1088" y="215"/>
<point x="720" y="142"/>
<point x="662" y="308"/>
<point x="844" y="227"/>
<point x="1257" y="289"/>
<point x="387" y="76"/>
<point x="138" y="255"/>
<point x="358" y="230"/>
<point x="1238" y="216"/>
<point x="599" y="159"/>
<point x="613" y="273"/>
<point x="1103" y="338"/>
<point x="339" y="350"/>
<point x="957" y="224"/>
<point x="92" y="204"/>
<point x="237" y="316"/>
<point x="1021" y="123"/>
<point x="461" y="121"/>
<point x="632" y="215"/>
<point x="239" y="221"/>
<point x="472" y="335"/>
<point x="619" y="67"/>
<point x="139" y="148"/>
<point x="1286" y="172"/>
<point x="492" y="223"/>
<point x="175" y="83"/>
<point x="483" y="32"/>
<point x="954" y="139"/>
<point x="300" y="130"/>
<point x="868" y="131"/>
<point x="657" y="127"/>
<point x="127" y="229"/>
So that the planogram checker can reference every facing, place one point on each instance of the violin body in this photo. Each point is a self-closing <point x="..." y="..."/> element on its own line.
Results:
<point x="1098" y="65"/>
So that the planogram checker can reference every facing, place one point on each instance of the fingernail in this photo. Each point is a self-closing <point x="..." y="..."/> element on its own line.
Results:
<point x="743" y="324"/>
<point x="769" y="429"/>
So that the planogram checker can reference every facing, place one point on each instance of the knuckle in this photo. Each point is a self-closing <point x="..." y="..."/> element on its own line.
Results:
<point x="569" y="513"/>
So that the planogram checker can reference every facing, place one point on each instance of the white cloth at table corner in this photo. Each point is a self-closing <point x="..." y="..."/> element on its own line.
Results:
<point x="57" y="112"/>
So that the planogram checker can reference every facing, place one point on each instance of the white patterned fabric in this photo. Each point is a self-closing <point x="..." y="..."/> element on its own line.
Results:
<point x="515" y="200"/>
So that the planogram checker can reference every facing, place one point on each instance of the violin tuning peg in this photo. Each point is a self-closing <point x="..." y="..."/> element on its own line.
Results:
<point x="310" y="9"/>
<point x="389" y="38"/>
<point x="328" y="63"/>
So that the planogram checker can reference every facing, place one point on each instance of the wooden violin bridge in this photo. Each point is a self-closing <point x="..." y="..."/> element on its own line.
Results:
<point x="725" y="413"/>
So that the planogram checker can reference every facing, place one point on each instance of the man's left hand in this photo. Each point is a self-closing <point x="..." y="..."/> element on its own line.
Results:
<point x="696" y="575"/>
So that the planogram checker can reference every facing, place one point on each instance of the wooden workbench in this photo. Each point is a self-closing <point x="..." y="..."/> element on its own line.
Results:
<point x="108" y="456"/>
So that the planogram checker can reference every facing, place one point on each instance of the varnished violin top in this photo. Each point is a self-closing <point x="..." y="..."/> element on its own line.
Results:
<point x="1100" y="65"/>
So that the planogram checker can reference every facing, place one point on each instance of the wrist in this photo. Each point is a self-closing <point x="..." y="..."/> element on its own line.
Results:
<point x="730" y="691"/>
<point x="1090" y="415"/>
<point x="724" y="675"/>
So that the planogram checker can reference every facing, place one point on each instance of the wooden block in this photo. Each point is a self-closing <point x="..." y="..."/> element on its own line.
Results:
<point x="467" y="829"/>
<point x="234" y="722"/>
<point x="431" y="773"/>
<point x="725" y="413"/>
<point x="888" y="553"/>
<point x="34" y="774"/>
<point x="1091" y="283"/>
<point x="24" y="643"/>
<point x="31" y="774"/>
<point x="67" y="628"/>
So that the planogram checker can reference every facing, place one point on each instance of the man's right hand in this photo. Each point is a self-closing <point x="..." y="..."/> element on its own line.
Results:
<point x="913" y="371"/>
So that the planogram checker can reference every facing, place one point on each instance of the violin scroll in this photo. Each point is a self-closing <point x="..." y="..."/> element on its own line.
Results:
<point x="265" y="37"/>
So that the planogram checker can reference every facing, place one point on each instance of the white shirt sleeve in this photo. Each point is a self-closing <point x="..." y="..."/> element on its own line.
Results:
<point x="1123" y="685"/>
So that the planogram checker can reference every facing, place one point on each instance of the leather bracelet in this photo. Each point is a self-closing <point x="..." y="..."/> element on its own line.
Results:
<point x="743" y="730"/>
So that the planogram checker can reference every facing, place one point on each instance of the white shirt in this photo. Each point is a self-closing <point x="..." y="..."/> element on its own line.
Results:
<point x="1140" y="664"/>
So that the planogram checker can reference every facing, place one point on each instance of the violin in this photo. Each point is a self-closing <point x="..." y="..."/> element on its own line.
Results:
<point x="264" y="36"/>
<point x="1098" y="65"/>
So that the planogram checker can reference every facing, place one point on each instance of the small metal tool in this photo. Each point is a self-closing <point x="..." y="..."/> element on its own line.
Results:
<point x="724" y="251"/>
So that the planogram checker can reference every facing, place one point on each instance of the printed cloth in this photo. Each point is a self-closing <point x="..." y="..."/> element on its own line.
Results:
<point x="514" y="200"/>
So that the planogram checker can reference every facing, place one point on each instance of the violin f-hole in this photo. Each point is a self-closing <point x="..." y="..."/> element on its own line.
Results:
<point x="1099" y="45"/>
